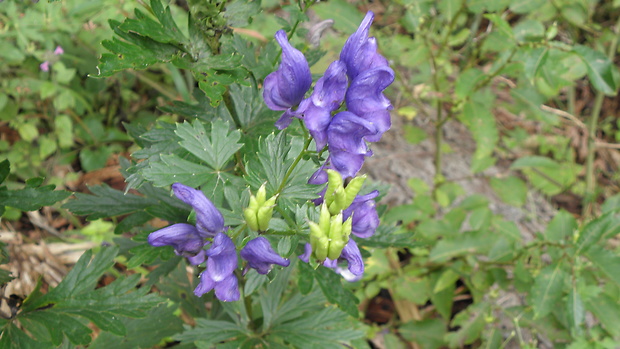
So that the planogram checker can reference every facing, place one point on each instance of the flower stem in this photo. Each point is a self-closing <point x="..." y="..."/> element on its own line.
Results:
<point x="590" y="195"/>
<point x="292" y="168"/>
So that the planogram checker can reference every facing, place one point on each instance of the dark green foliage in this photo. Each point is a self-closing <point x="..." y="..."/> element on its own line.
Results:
<point x="66" y="310"/>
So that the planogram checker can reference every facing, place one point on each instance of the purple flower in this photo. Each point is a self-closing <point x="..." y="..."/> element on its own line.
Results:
<point x="365" y="217"/>
<point x="286" y="87"/>
<point x="219" y="274"/>
<point x="365" y="99"/>
<point x="359" y="53"/>
<point x="209" y="221"/>
<point x="316" y="111"/>
<point x="261" y="256"/>
<point x="58" y="51"/>
<point x="351" y="254"/>
<point x="184" y="238"/>
<point x="45" y="66"/>
<point x="347" y="147"/>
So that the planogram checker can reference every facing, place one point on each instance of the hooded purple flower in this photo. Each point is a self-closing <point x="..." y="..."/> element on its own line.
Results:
<point x="286" y="87"/>
<point x="365" y="99"/>
<point x="209" y="221"/>
<point x="316" y="111"/>
<point x="187" y="240"/>
<point x="184" y="238"/>
<point x="365" y="217"/>
<point x="351" y="254"/>
<point x="347" y="147"/>
<point x="261" y="256"/>
<point x="219" y="274"/>
<point x="359" y="53"/>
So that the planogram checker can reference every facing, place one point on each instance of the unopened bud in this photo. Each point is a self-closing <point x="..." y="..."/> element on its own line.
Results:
<point x="334" y="181"/>
<point x="259" y="212"/>
<point x="352" y="189"/>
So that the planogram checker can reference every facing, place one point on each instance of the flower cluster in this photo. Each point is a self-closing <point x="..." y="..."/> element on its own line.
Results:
<point x="45" y="66"/>
<point x="358" y="79"/>
<point x="221" y="256"/>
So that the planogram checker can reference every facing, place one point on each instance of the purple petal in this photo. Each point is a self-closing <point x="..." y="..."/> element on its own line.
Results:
<point x="353" y="256"/>
<point x="346" y="133"/>
<point x="45" y="66"/>
<point x="285" y="119"/>
<point x="59" y="50"/>
<point x="227" y="290"/>
<point x="330" y="263"/>
<point x="184" y="238"/>
<point x="260" y="255"/>
<point x="286" y="87"/>
<point x="209" y="220"/>
<point x="205" y="285"/>
<point x="307" y="253"/>
<point x="365" y="216"/>
<point x="222" y="260"/>
<point x="330" y="89"/>
<point x="354" y="44"/>
<point x="317" y="120"/>
<point x="199" y="258"/>
<point x="365" y="94"/>
<point x="347" y="164"/>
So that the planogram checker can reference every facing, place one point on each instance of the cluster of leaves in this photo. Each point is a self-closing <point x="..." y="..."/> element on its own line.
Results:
<point x="60" y="117"/>
<point x="431" y="255"/>
<point x="225" y="149"/>
<point x="538" y="55"/>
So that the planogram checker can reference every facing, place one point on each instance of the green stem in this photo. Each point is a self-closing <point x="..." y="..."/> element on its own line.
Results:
<point x="589" y="196"/>
<point x="440" y="121"/>
<point x="292" y="168"/>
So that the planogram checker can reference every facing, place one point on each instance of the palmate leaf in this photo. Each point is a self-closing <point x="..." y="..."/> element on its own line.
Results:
<point x="107" y="202"/>
<point x="32" y="197"/>
<point x="147" y="332"/>
<point x="65" y="310"/>
<point x="276" y="154"/>
<point x="215" y="148"/>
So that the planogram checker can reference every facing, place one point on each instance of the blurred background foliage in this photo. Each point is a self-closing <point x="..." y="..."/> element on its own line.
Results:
<point x="533" y="82"/>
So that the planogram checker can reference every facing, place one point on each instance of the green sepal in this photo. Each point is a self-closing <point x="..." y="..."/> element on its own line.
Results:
<point x="339" y="201"/>
<point x="264" y="216"/>
<point x="352" y="189"/>
<point x="324" y="219"/>
<point x="335" y="228"/>
<point x="334" y="181"/>
<point x="322" y="248"/>
<point x="251" y="218"/>
<point x="335" y="249"/>
<point x="347" y="227"/>
<point x="261" y="195"/>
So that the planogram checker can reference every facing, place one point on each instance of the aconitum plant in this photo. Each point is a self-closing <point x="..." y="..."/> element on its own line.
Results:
<point x="344" y="112"/>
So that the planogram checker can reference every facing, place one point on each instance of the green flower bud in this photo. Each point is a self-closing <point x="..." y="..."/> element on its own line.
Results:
<point x="319" y="241"/>
<point x="352" y="189"/>
<point x="324" y="219"/>
<point x="261" y="195"/>
<point x="335" y="228"/>
<point x="334" y="181"/>
<point x="347" y="227"/>
<point x="335" y="249"/>
<point x="340" y="196"/>
<point x="259" y="211"/>
<point x="264" y="216"/>
<point x="250" y="214"/>
<point x="322" y="249"/>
